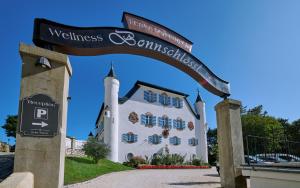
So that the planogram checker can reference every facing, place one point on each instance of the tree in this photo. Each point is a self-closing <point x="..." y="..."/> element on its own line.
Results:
<point x="95" y="149"/>
<point x="268" y="130"/>
<point x="257" y="110"/>
<point x="10" y="125"/>
<point x="212" y="144"/>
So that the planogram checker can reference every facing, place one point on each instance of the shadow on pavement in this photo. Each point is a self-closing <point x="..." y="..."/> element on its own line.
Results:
<point x="81" y="160"/>
<point x="195" y="183"/>
<point x="211" y="175"/>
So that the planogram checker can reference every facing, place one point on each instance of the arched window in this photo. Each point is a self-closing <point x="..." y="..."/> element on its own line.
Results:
<point x="164" y="99"/>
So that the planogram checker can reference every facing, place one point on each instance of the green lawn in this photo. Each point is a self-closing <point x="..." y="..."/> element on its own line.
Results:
<point x="81" y="169"/>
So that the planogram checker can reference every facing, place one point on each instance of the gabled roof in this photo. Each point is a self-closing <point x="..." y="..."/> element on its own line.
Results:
<point x="137" y="85"/>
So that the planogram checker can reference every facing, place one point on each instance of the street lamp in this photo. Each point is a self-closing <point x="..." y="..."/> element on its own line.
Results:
<point x="107" y="111"/>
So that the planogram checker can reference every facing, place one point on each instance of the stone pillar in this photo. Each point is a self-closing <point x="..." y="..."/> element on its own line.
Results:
<point x="72" y="145"/>
<point x="230" y="143"/>
<point x="44" y="157"/>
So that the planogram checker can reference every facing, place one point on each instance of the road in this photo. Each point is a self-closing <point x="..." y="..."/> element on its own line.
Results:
<point x="177" y="178"/>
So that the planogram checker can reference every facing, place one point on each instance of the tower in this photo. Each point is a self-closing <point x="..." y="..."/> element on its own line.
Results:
<point x="111" y="113"/>
<point x="201" y="129"/>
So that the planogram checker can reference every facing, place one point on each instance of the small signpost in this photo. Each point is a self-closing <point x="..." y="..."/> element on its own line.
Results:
<point x="39" y="116"/>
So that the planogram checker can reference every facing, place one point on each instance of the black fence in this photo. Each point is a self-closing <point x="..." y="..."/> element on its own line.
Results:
<point x="265" y="150"/>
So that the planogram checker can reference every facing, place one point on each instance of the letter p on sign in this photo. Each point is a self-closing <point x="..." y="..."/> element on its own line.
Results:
<point x="41" y="113"/>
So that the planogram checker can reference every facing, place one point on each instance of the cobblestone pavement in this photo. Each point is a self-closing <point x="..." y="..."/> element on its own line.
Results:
<point x="6" y="165"/>
<point x="177" y="178"/>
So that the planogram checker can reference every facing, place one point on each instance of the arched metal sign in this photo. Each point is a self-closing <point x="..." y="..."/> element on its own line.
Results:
<point x="88" y="41"/>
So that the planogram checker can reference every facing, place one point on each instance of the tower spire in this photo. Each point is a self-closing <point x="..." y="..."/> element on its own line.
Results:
<point x="111" y="72"/>
<point x="198" y="97"/>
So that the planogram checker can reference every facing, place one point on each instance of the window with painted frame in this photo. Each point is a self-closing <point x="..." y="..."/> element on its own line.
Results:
<point x="164" y="99"/>
<point x="175" y="140"/>
<point x="129" y="137"/>
<point x="165" y="122"/>
<point x="177" y="102"/>
<point x="193" y="141"/>
<point x="148" y="119"/>
<point x="155" y="139"/>
<point x="150" y="96"/>
<point x="179" y="124"/>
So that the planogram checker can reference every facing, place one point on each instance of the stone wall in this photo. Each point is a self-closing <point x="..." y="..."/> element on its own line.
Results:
<point x="74" y="147"/>
<point x="4" y="147"/>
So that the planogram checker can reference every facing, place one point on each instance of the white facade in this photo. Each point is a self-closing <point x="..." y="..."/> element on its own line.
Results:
<point x="131" y="136"/>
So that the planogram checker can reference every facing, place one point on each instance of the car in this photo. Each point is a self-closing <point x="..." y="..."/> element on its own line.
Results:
<point x="253" y="159"/>
<point x="277" y="157"/>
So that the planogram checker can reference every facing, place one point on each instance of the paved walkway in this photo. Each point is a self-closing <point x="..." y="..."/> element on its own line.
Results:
<point x="177" y="178"/>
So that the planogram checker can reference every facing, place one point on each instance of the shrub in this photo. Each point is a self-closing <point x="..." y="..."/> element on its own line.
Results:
<point x="167" y="159"/>
<point x="135" y="161"/>
<point x="197" y="162"/>
<point x="96" y="150"/>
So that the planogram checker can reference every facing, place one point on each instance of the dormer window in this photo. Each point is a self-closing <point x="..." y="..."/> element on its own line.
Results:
<point x="150" y="96"/>
<point x="177" y="102"/>
<point x="165" y="122"/>
<point x="148" y="119"/>
<point x="164" y="99"/>
<point x="179" y="124"/>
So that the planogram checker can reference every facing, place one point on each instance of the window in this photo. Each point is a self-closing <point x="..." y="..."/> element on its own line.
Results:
<point x="175" y="140"/>
<point x="150" y="96"/>
<point x="129" y="156"/>
<point x="148" y="119"/>
<point x="101" y="127"/>
<point x="193" y="141"/>
<point x="164" y="99"/>
<point x="177" y="102"/>
<point x="129" y="137"/>
<point x="155" y="139"/>
<point x="179" y="124"/>
<point x="165" y="122"/>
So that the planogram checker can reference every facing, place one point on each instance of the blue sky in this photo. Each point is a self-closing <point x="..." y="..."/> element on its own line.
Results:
<point x="252" y="44"/>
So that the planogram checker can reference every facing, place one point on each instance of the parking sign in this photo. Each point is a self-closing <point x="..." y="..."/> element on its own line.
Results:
<point x="39" y="116"/>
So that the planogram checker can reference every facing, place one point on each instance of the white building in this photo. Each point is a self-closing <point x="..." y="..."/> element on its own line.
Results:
<point x="148" y="119"/>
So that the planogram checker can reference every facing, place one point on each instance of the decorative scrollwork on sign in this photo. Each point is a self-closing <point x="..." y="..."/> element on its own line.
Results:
<point x="121" y="37"/>
<point x="191" y="125"/>
<point x="133" y="117"/>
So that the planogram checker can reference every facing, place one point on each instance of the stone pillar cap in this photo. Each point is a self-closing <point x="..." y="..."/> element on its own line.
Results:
<point x="228" y="102"/>
<point x="51" y="55"/>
